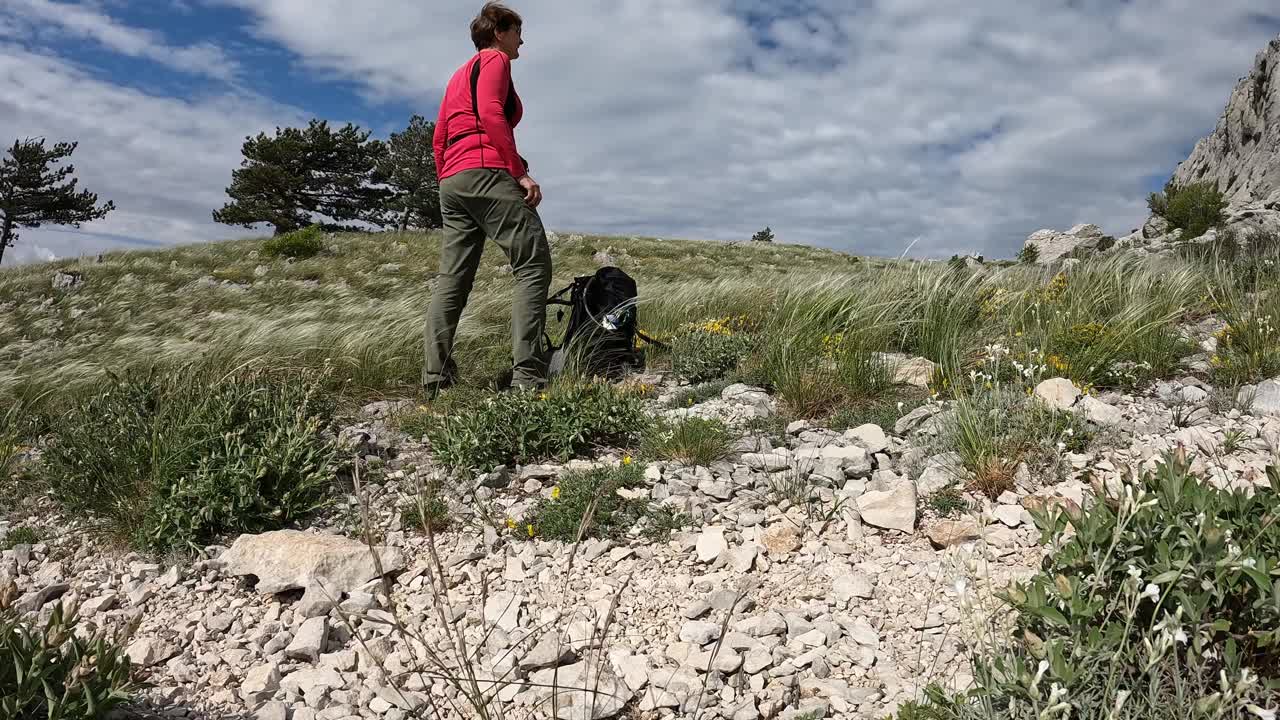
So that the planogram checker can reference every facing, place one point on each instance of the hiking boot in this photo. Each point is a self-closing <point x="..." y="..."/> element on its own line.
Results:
<point x="432" y="390"/>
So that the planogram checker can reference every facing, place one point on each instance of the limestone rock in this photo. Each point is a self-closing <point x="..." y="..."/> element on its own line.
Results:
<point x="870" y="436"/>
<point x="1242" y="154"/>
<point x="1100" y="413"/>
<point x="291" y="559"/>
<point x="145" y="652"/>
<point x="711" y="543"/>
<point x="781" y="539"/>
<point x="915" y="371"/>
<point x="1058" y="393"/>
<point x="1266" y="398"/>
<point x="1053" y="245"/>
<point x="892" y="509"/>
<point x="953" y="532"/>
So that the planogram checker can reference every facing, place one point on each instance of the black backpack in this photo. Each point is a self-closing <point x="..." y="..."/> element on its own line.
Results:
<point x="600" y="338"/>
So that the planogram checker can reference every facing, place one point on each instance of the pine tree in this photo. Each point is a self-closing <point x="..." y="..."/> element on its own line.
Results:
<point x="288" y="179"/>
<point x="409" y="167"/>
<point x="33" y="192"/>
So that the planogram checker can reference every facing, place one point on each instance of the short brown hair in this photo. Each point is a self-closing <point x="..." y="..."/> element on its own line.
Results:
<point x="494" y="17"/>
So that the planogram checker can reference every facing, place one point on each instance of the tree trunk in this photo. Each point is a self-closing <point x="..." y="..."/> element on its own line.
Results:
<point x="404" y="220"/>
<point x="5" y="232"/>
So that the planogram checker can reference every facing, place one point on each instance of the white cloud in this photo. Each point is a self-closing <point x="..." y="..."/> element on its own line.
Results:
<point x="866" y="125"/>
<point x="165" y="162"/>
<point x="862" y="126"/>
<point x="82" y="21"/>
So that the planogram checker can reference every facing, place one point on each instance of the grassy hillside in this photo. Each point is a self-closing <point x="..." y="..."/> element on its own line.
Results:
<point x="358" y="308"/>
<point x="360" y="304"/>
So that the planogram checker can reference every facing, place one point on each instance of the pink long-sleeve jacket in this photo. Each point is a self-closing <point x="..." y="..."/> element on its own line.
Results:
<point x="464" y="141"/>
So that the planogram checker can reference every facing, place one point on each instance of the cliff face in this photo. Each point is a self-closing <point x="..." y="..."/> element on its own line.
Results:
<point x="1243" y="152"/>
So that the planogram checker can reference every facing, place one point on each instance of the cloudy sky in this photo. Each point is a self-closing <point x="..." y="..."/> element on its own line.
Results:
<point x="872" y="126"/>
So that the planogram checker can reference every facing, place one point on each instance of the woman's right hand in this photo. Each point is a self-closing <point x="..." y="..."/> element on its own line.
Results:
<point x="532" y="191"/>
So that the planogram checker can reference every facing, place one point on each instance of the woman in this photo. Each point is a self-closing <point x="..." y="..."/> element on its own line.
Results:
<point x="486" y="191"/>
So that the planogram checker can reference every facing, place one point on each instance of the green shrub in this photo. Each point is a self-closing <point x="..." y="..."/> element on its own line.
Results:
<point x="298" y="245"/>
<point x="698" y="393"/>
<point x="526" y="425"/>
<point x="765" y="235"/>
<point x="947" y="502"/>
<point x="172" y="460"/>
<point x="21" y="535"/>
<point x="1192" y="208"/>
<point x="995" y="431"/>
<point x="427" y="511"/>
<point x="590" y="497"/>
<point x="1249" y="346"/>
<point x="53" y="672"/>
<point x="1165" y="602"/>
<point x="708" y="351"/>
<point x="1029" y="254"/>
<point x="691" y="440"/>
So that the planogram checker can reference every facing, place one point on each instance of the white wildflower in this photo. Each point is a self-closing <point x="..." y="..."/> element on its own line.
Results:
<point x="1151" y="591"/>
<point x="1134" y="572"/>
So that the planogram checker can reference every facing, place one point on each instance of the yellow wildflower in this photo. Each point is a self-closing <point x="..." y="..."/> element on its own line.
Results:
<point x="626" y="459"/>
<point x="543" y="396"/>
<point x="555" y="493"/>
<point x="530" y="529"/>
<point x="511" y="524"/>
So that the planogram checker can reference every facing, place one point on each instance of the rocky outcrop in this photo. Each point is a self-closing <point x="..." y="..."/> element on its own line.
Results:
<point x="1080" y="240"/>
<point x="1242" y="154"/>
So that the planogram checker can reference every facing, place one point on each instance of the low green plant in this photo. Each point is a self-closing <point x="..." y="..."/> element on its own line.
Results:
<point x="1192" y="208"/>
<point x="586" y="503"/>
<point x="522" y="425"/>
<point x="661" y="521"/>
<point x="995" y="431"/>
<point x="1163" y="602"/>
<point x="21" y="535"/>
<point x="695" y="394"/>
<point x="427" y="511"/>
<point x="947" y="502"/>
<point x="709" y="350"/>
<point x="297" y="245"/>
<point x="55" y="671"/>
<point x="170" y="460"/>
<point x="689" y="440"/>
<point x="1249" y="346"/>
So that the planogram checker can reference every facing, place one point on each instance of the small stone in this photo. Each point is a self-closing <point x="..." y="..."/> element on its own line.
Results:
<point x="781" y="539"/>
<point x="503" y="611"/>
<point x="855" y="585"/>
<point x="1058" y="393"/>
<point x="870" y="437"/>
<point x="1009" y="515"/>
<point x="697" y="610"/>
<point x="219" y="623"/>
<point x="261" y="679"/>
<point x="1100" y="413"/>
<point x="145" y="652"/>
<point x="699" y="632"/>
<point x="711" y="543"/>
<point x="945" y="533"/>
<point x="272" y="711"/>
<point x="743" y="557"/>
<point x="549" y="652"/>
<point x="309" y="642"/>
<point x="102" y="603"/>
<point x="894" y="509"/>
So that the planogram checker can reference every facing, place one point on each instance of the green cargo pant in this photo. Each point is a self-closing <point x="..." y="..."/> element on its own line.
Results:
<point x="490" y="203"/>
